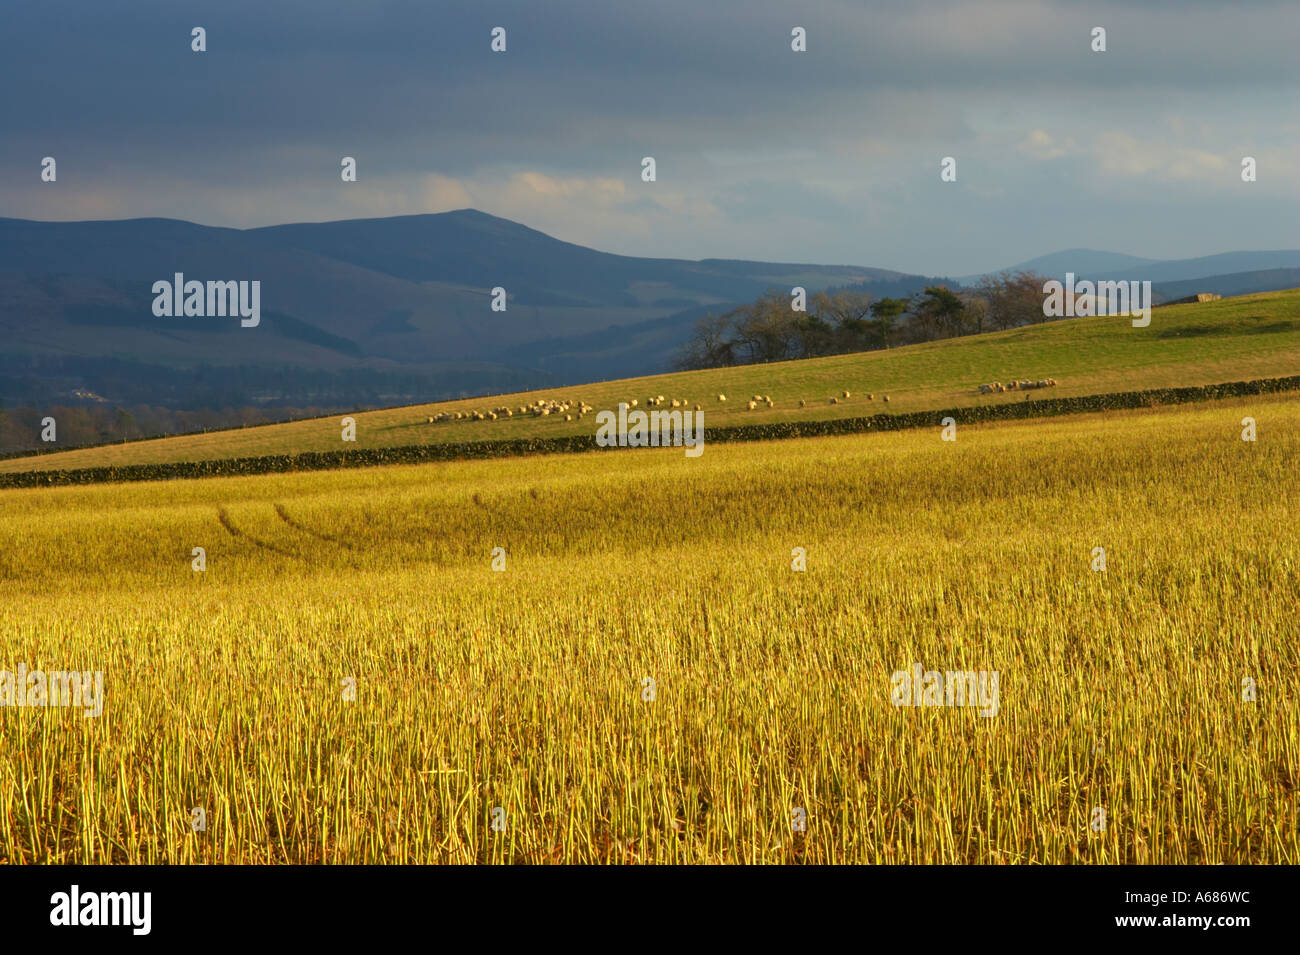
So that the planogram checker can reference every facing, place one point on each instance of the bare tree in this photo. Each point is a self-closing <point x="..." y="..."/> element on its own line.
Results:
<point x="1014" y="298"/>
<point x="711" y="345"/>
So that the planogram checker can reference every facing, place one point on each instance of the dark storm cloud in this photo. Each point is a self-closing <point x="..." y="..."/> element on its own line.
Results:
<point x="251" y="131"/>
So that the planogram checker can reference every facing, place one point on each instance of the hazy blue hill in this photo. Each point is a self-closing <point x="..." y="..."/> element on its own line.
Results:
<point x="1092" y="264"/>
<point x="361" y="299"/>
<point x="473" y="248"/>
<point x="1226" y="263"/>
<point x="1078" y="261"/>
<point x="1236" y="283"/>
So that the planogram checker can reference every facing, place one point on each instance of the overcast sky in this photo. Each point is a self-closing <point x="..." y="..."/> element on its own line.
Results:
<point x="829" y="156"/>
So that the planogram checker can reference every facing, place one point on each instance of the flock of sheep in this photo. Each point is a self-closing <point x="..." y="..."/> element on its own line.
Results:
<point x="655" y="401"/>
<point x="574" y="409"/>
<point x="757" y="400"/>
<point x="998" y="386"/>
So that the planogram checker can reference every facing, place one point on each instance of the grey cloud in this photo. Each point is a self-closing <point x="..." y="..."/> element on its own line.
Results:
<point x="590" y="86"/>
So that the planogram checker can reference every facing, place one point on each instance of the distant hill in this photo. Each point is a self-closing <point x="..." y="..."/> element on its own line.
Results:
<point x="1228" y="263"/>
<point x="475" y="249"/>
<point x="1078" y="261"/>
<point x="1237" y="283"/>
<point x="1094" y="265"/>
<point x="355" y="311"/>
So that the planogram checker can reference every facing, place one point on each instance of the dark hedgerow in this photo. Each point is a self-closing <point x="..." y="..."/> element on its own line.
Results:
<point x="422" y="453"/>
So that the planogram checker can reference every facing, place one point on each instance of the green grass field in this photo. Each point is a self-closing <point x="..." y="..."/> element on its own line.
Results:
<point x="523" y="689"/>
<point x="1254" y="336"/>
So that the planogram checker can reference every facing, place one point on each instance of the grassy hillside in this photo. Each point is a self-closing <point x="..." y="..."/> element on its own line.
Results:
<point x="524" y="689"/>
<point x="1251" y="337"/>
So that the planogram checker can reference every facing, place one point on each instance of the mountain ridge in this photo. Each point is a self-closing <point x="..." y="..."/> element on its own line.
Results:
<point x="366" y="297"/>
<point x="369" y="301"/>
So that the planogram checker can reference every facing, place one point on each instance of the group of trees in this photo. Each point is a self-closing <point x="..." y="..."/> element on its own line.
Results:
<point x="848" y="320"/>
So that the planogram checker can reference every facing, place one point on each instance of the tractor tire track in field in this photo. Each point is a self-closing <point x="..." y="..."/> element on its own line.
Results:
<point x="234" y="531"/>
<point x="495" y="512"/>
<point x="302" y="528"/>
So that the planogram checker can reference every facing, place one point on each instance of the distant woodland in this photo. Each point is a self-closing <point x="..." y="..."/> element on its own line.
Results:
<point x="844" y="320"/>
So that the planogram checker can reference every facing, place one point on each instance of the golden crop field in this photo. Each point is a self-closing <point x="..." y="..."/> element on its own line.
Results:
<point x="521" y="696"/>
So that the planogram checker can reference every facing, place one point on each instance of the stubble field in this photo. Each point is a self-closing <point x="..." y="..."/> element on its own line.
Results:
<point x="520" y="696"/>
